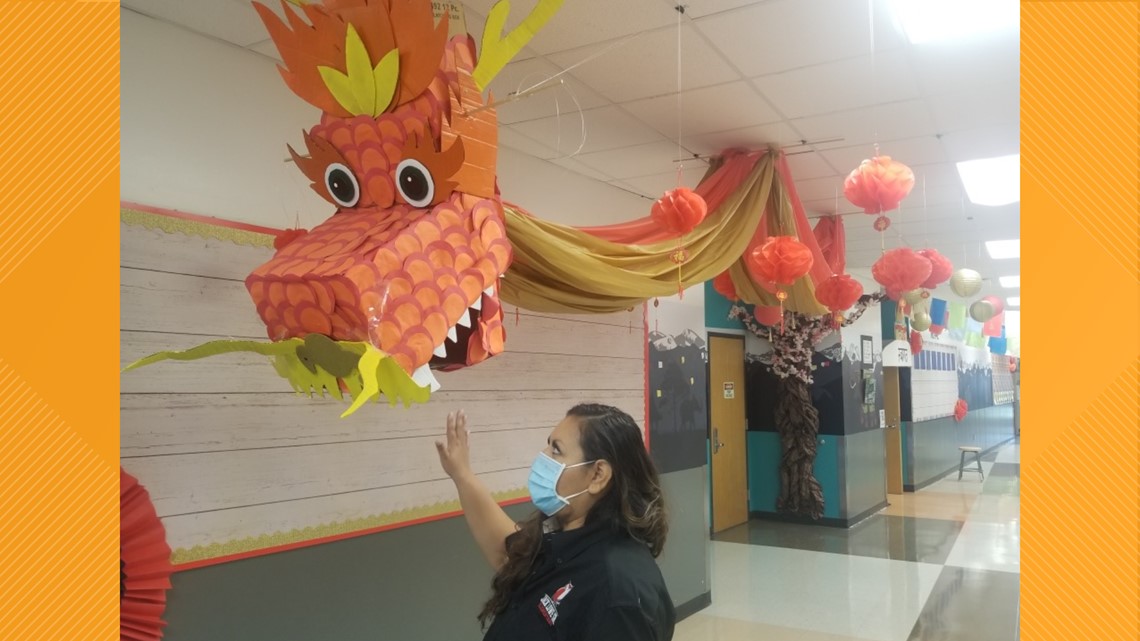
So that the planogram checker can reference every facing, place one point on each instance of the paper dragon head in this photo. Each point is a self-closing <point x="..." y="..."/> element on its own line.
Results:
<point x="405" y="150"/>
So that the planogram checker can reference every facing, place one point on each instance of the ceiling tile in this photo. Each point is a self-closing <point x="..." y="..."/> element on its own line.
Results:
<point x="983" y="142"/>
<point x="820" y="189"/>
<point x="647" y="65"/>
<point x="983" y="106"/>
<point x="957" y="67"/>
<point x="788" y="34"/>
<point x="912" y="151"/>
<point x="584" y="22"/>
<point x="892" y="121"/>
<point x="577" y="167"/>
<point x="725" y="107"/>
<point x="757" y="137"/>
<point x="234" y="21"/>
<point x="566" y="95"/>
<point x="809" y="165"/>
<point x="658" y="184"/>
<point x="638" y="160"/>
<point x="702" y="8"/>
<point x="508" y="137"/>
<point x="604" y="128"/>
<point x="840" y="85"/>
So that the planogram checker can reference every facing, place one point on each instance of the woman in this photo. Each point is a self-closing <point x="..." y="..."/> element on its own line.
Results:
<point x="583" y="566"/>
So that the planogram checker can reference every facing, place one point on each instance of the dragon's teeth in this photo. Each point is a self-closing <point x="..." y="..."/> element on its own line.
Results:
<point x="451" y="335"/>
<point x="490" y="291"/>
<point x="425" y="378"/>
<point x="465" y="319"/>
<point x="478" y="304"/>
<point x="440" y="351"/>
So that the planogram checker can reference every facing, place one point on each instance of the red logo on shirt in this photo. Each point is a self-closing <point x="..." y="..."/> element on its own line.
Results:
<point x="548" y="606"/>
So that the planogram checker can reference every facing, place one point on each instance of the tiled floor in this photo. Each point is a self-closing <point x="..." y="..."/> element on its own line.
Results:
<point x="942" y="563"/>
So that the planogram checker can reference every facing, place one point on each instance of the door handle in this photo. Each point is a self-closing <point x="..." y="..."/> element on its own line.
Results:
<point x="716" y="444"/>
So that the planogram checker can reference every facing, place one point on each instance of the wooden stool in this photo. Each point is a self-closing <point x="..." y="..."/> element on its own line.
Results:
<point x="977" y="452"/>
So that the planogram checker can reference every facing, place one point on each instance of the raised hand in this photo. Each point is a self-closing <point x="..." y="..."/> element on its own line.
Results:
<point x="454" y="454"/>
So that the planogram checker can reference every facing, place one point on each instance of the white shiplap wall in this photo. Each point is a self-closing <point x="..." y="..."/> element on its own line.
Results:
<point x="229" y="453"/>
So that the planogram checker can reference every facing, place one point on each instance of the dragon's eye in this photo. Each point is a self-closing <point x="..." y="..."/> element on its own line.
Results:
<point x="415" y="182"/>
<point x="342" y="185"/>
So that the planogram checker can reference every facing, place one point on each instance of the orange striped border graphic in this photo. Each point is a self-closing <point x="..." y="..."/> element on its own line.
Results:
<point x="59" y="117"/>
<point x="1079" y="137"/>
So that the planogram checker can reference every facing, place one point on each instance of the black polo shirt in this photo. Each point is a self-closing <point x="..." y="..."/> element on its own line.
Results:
<point x="590" y="583"/>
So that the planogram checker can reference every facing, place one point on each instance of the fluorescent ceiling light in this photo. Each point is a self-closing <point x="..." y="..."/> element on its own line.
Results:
<point x="1010" y="282"/>
<point x="1013" y="301"/>
<point x="992" y="181"/>
<point x="941" y="20"/>
<point x="999" y="249"/>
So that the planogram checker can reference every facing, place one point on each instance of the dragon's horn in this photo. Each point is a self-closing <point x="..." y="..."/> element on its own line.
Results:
<point x="498" y="50"/>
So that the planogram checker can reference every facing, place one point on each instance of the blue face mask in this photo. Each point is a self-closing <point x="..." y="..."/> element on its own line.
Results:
<point x="543" y="484"/>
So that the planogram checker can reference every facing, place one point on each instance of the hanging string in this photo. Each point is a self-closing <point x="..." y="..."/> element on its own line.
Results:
<point x="874" y="88"/>
<point x="680" y="155"/>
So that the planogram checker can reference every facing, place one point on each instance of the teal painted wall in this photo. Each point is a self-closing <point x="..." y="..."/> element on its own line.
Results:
<point x="932" y="446"/>
<point x="716" y="310"/>
<point x="865" y="472"/>
<point x="887" y="309"/>
<point x="907" y="453"/>
<point x="764" y="475"/>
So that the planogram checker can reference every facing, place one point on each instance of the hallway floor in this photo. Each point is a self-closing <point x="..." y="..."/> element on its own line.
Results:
<point x="942" y="563"/>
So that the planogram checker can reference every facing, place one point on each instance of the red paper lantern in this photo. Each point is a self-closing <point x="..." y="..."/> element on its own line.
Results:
<point x="940" y="268"/>
<point x="782" y="260"/>
<point x="960" y="409"/>
<point x="724" y="286"/>
<point x="770" y="316"/>
<point x="915" y="342"/>
<point x="995" y="302"/>
<point x="679" y="210"/>
<point x="879" y="184"/>
<point x="901" y="270"/>
<point x="839" y="292"/>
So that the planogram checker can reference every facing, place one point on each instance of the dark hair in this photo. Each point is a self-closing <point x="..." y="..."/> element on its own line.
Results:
<point x="632" y="504"/>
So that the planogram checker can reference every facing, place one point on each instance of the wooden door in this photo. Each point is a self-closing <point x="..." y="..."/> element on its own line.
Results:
<point x="893" y="436"/>
<point x="727" y="432"/>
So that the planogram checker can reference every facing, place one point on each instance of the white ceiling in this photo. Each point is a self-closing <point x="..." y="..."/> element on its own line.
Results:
<point x="787" y="72"/>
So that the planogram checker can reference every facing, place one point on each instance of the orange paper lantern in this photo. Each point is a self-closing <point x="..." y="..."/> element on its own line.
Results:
<point x="879" y="184"/>
<point x="960" y="409"/>
<point x="782" y="260"/>
<point x="940" y="268"/>
<point x="838" y="292"/>
<point x="679" y="210"/>
<point x="901" y="270"/>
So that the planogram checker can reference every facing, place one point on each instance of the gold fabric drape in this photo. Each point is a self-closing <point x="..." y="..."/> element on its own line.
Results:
<point x="784" y="222"/>
<point x="561" y="269"/>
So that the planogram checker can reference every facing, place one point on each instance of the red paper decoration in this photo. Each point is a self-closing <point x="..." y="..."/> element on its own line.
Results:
<point x="940" y="268"/>
<point x="879" y="184"/>
<point x="995" y="302"/>
<point x="770" y="316"/>
<point x="960" y="409"/>
<point x="915" y="342"/>
<point x="724" y="286"/>
<point x="144" y="564"/>
<point x="901" y="270"/>
<point x="782" y="260"/>
<point x="936" y="330"/>
<point x="287" y="236"/>
<point x="679" y="210"/>
<point x="838" y="292"/>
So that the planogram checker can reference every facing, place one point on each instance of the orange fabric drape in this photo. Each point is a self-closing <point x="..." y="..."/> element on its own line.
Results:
<point x="832" y="239"/>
